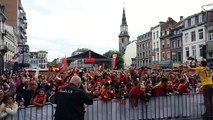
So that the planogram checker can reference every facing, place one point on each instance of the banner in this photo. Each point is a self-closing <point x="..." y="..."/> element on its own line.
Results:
<point x="64" y="63"/>
<point x="114" y="57"/>
<point x="89" y="60"/>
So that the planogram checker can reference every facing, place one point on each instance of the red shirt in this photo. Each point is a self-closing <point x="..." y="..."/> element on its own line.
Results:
<point x="40" y="99"/>
<point x="182" y="88"/>
<point x="135" y="93"/>
<point x="160" y="90"/>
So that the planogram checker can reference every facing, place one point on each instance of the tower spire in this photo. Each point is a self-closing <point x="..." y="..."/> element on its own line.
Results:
<point x="124" y="18"/>
<point x="124" y="34"/>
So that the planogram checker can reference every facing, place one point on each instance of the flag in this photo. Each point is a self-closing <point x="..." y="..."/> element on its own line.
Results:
<point x="114" y="57"/>
<point x="64" y="63"/>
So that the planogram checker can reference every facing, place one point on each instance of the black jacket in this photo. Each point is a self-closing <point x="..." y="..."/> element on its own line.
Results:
<point x="27" y="94"/>
<point x="70" y="102"/>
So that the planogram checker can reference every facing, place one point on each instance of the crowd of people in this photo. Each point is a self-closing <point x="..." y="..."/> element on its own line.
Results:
<point x="24" y="88"/>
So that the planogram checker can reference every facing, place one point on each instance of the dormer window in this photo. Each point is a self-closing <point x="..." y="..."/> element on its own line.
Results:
<point x="200" y="18"/>
<point x="189" y="22"/>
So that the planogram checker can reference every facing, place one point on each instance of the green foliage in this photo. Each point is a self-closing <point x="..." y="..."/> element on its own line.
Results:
<point x="119" y="60"/>
<point x="53" y="64"/>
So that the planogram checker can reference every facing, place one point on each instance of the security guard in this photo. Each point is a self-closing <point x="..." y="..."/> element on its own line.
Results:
<point x="70" y="101"/>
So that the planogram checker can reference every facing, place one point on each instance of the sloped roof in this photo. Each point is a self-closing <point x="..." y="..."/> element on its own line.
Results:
<point x="89" y="54"/>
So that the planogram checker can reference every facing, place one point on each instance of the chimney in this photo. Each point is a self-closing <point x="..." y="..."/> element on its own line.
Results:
<point x="181" y="18"/>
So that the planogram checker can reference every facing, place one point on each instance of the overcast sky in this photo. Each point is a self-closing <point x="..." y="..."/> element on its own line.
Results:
<point x="62" y="26"/>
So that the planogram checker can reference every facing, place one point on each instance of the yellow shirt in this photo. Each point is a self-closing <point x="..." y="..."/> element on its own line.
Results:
<point x="205" y="75"/>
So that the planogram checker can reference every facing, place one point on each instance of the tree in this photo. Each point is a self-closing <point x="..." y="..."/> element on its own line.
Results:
<point x="119" y="60"/>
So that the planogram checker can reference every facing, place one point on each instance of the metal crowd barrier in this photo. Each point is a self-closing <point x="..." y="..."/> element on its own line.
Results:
<point x="34" y="113"/>
<point x="187" y="106"/>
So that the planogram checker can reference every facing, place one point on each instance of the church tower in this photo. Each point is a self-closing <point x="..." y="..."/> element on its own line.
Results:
<point x="124" y="34"/>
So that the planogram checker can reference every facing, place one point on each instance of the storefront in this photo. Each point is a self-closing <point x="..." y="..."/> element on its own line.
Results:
<point x="155" y="66"/>
<point x="165" y="64"/>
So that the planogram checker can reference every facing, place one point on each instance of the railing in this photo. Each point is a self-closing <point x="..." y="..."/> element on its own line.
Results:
<point x="188" y="106"/>
<point x="34" y="113"/>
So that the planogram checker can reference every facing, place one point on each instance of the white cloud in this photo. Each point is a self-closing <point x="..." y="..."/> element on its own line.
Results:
<point x="62" y="26"/>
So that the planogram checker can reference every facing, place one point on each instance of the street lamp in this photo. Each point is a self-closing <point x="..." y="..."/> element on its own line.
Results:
<point x="3" y="50"/>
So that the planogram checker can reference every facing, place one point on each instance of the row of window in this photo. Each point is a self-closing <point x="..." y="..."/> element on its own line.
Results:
<point x="193" y="36"/>
<point x="42" y="55"/>
<point x="145" y="45"/>
<point x="188" y="23"/>
<point x="38" y="61"/>
<point x="43" y="66"/>
<point x="155" y="45"/>
<point x="166" y="32"/>
<point x="8" y="57"/>
<point x="144" y="36"/>
<point x="163" y="33"/>
<point x="193" y="51"/>
<point x="166" y="56"/>
<point x="194" y="20"/>
<point x="145" y="54"/>
<point x="11" y="47"/>
<point x="177" y="32"/>
<point x="176" y="56"/>
<point x="157" y="35"/>
<point x="176" y="44"/>
<point x="165" y="43"/>
<point x="144" y="62"/>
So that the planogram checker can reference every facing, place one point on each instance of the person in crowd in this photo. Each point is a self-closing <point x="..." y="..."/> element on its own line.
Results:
<point x="122" y="92"/>
<point x="9" y="107"/>
<point x="183" y="86"/>
<point x="161" y="87"/>
<point x="1" y="96"/>
<point x="19" y="99"/>
<point x="40" y="98"/>
<point x="149" y="90"/>
<point x="96" y="92"/>
<point x="199" y="88"/>
<point x="70" y="100"/>
<point x="207" y="86"/>
<point x="137" y="92"/>
<point x="27" y="89"/>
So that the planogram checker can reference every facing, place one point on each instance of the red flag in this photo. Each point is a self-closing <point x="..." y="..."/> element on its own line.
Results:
<point x="114" y="61"/>
<point x="64" y="63"/>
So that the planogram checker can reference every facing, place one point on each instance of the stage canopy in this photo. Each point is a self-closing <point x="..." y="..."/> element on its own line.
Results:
<point x="89" y="57"/>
